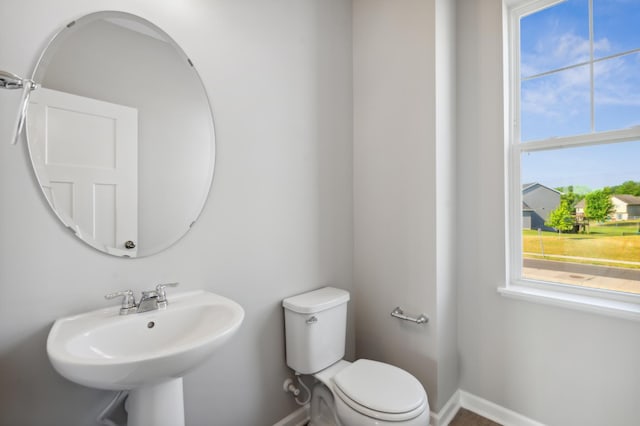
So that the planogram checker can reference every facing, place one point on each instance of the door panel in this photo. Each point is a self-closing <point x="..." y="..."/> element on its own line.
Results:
<point x="87" y="160"/>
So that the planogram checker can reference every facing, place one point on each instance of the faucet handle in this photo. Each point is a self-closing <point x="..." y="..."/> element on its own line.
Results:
<point x="162" y="295"/>
<point x="128" y="300"/>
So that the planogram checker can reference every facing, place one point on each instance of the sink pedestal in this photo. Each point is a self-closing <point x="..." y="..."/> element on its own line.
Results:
<point x="160" y="404"/>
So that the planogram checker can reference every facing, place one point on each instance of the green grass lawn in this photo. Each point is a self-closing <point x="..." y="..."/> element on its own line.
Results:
<point x="608" y="243"/>
<point x="616" y="228"/>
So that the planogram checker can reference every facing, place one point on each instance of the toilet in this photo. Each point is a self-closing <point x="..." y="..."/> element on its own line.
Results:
<point x="359" y="393"/>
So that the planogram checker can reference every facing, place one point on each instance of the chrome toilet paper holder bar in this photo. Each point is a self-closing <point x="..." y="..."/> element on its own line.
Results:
<point x="399" y="313"/>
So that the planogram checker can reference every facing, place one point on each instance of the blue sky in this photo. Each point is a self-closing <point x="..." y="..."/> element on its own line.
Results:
<point x="592" y="166"/>
<point x="558" y="104"/>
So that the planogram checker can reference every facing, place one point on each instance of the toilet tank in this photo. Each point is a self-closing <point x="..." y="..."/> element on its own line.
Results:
<point x="315" y="329"/>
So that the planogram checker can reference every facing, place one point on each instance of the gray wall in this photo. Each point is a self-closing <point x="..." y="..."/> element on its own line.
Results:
<point x="404" y="181"/>
<point x="278" y="222"/>
<point x="554" y="365"/>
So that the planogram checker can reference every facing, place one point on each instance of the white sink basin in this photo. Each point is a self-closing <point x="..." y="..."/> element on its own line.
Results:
<point x="105" y="350"/>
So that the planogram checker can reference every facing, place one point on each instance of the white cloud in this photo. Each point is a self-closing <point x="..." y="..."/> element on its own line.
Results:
<point x="564" y="95"/>
<point x="559" y="50"/>
<point x="617" y="81"/>
<point x="560" y="96"/>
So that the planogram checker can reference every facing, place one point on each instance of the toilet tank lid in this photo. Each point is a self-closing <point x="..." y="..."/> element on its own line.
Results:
<point x="316" y="301"/>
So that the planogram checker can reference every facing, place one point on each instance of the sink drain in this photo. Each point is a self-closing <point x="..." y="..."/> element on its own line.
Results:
<point x="151" y="324"/>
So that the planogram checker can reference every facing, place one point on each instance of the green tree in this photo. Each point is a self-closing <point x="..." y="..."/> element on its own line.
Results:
<point x="561" y="218"/>
<point x="598" y="205"/>
<point x="570" y="196"/>
<point x="628" y="187"/>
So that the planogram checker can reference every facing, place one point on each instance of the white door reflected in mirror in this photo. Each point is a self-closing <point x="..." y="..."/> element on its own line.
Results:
<point x="86" y="154"/>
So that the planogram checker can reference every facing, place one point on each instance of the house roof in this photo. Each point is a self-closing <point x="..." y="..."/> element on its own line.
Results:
<point x="525" y="207"/>
<point x="631" y="200"/>
<point x="627" y="199"/>
<point x="527" y="186"/>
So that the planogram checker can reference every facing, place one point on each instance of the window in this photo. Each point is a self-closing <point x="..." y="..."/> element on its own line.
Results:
<point x="574" y="148"/>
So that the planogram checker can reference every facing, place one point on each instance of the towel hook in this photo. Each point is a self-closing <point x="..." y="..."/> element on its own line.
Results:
<point x="12" y="81"/>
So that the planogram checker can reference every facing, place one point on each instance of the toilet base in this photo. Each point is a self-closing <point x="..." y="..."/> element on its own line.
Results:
<point x="322" y="407"/>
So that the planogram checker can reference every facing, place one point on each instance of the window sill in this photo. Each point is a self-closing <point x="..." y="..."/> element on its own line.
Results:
<point x="580" y="302"/>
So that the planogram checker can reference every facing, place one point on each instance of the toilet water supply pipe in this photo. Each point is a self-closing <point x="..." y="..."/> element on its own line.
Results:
<point x="290" y="387"/>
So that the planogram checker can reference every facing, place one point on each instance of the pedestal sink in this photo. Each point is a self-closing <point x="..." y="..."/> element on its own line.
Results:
<point x="145" y="353"/>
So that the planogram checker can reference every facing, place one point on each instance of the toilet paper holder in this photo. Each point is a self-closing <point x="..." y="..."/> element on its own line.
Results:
<point x="399" y="313"/>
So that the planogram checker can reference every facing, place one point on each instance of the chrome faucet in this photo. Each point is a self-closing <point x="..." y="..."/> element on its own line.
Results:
<point x="149" y="301"/>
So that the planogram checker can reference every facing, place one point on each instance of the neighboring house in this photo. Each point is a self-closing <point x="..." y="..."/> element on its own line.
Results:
<point x="580" y="205"/>
<point x="625" y="207"/>
<point x="527" y="212"/>
<point x="538" y="201"/>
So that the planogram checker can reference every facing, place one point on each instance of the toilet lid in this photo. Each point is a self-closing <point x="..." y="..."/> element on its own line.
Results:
<point x="380" y="387"/>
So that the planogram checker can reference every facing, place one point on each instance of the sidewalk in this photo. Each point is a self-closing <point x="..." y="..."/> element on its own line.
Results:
<point x="591" y="259"/>
<point x="617" y="279"/>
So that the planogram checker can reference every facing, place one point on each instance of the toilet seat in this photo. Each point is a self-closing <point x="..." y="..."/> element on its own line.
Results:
<point x="380" y="391"/>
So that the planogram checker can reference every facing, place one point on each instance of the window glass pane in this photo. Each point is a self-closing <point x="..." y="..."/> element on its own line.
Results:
<point x="617" y="92"/>
<point x="581" y="216"/>
<point x="615" y="26"/>
<point x="555" y="37"/>
<point x="556" y="105"/>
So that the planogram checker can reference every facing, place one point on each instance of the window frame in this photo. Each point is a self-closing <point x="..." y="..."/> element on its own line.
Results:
<point x="608" y="302"/>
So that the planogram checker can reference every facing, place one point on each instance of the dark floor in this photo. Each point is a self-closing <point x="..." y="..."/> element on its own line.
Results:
<point x="468" y="418"/>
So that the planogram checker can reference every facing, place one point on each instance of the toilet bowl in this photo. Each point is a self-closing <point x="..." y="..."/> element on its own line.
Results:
<point x="361" y="393"/>
<point x="368" y="392"/>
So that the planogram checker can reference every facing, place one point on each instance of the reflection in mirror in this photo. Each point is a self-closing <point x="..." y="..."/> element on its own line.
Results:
<point x="121" y="134"/>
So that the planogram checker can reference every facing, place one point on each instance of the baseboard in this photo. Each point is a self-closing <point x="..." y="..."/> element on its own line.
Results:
<point x="299" y="417"/>
<point x="494" y="411"/>
<point x="448" y="412"/>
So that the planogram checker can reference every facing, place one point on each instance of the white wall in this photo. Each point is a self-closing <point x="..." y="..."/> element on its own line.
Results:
<point x="556" y="366"/>
<point x="404" y="137"/>
<point x="446" y="204"/>
<point x="278" y="222"/>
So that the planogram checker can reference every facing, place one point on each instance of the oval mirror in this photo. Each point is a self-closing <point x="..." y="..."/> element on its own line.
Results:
<point x="121" y="134"/>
